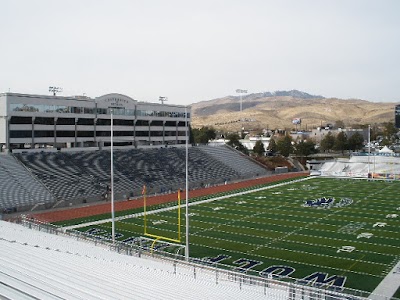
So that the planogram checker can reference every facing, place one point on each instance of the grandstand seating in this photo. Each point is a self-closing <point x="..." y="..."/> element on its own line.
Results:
<point x="359" y="166"/>
<point x="245" y="167"/>
<point x="83" y="175"/>
<point x="18" y="188"/>
<point x="37" y="265"/>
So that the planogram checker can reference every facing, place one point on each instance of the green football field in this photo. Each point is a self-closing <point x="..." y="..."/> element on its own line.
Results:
<point x="331" y="232"/>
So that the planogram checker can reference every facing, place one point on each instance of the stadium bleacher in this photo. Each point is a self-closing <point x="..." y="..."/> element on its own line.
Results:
<point x="18" y="188"/>
<point x="360" y="166"/>
<point x="245" y="167"/>
<point x="38" y="265"/>
<point x="84" y="176"/>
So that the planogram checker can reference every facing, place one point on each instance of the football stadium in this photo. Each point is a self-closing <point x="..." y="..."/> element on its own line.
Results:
<point x="145" y="215"/>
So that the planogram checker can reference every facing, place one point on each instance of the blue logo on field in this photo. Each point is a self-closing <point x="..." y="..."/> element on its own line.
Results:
<point x="328" y="202"/>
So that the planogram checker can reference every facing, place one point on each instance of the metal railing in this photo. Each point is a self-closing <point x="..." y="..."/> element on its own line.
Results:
<point x="213" y="272"/>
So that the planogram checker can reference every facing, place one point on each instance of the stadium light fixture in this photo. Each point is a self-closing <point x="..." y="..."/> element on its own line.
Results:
<point x="162" y="99"/>
<point x="240" y="92"/>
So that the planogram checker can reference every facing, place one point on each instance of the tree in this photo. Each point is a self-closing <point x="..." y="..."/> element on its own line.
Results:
<point x="356" y="142"/>
<point x="210" y="132"/>
<point x="198" y="136"/>
<point x="233" y="139"/>
<point x="191" y="136"/>
<point x="272" y="147"/>
<point x="327" y="142"/>
<point x="341" y="142"/>
<point x="284" y="145"/>
<point x="235" y="143"/>
<point x="385" y="142"/>
<point x="339" y="124"/>
<point x="259" y="148"/>
<point x="203" y="135"/>
<point x="389" y="131"/>
<point x="305" y="148"/>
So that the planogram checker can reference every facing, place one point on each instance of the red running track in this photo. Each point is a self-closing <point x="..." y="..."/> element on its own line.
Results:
<point x="97" y="209"/>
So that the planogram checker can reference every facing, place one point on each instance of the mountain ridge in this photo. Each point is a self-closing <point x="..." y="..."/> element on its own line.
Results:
<point x="278" y="109"/>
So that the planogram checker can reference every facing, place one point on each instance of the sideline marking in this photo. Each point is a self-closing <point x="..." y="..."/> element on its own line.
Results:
<point x="388" y="286"/>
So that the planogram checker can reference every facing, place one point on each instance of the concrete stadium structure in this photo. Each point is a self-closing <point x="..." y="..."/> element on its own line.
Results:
<point x="43" y="121"/>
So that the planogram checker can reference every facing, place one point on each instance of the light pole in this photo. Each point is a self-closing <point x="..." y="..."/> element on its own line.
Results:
<point x="240" y="92"/>
<point x="112" y="181"/>
<point x="162" y="99"/>
<point x="187" y="186"/>
<point x="369" y="148"/>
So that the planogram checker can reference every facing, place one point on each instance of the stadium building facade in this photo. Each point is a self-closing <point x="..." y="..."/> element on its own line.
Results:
<point x="42" y="121"/>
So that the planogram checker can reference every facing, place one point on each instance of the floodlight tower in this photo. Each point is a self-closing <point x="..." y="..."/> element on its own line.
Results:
<point x="369" y="148"/>
<point x="162" y="99"/>
<point x="240" y="92"/>
<point x="55" y="90"/>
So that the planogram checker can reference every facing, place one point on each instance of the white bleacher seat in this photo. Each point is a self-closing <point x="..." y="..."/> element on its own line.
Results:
<point x="37" y="264"/>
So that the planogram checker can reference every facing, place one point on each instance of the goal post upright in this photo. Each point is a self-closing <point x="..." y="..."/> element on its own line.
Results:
<point x="178" y="240"/>
<point x="179" y="215"/>
<point x="144" y="209"/>
<point x="160" y="237"/>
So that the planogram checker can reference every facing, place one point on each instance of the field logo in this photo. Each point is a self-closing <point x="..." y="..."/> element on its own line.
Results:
<point x="277" y="272"/>
<point x="131" y="241"/>
<point x="328" y="202"/>
<point x="102" y="234"/>
<point x="216" y="259"/>
<point x="320" y="203"/>
<point x="96" y="231"/>
<point x="320" y="279"/>
<point x="344" y="202"/>
<point x="246" y="264"/>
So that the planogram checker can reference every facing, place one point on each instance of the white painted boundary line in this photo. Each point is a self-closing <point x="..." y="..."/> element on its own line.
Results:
<point x="388" y="286"/>
<point x="175" y="207"/>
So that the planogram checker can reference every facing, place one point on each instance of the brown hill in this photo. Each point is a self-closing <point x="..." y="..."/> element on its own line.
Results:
<point x="278" y="112"/>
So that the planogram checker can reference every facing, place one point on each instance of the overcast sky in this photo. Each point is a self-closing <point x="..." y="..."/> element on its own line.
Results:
<point x="191" y="51"/>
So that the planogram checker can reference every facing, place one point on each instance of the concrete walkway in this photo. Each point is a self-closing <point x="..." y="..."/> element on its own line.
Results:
<point x="388" y="286"/>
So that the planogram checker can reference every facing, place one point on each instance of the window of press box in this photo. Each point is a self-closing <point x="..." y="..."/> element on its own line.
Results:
<point x="85" y="121"/>
<point x="66" y="121"/>
<point x="21" y="120"/>
<point x="44" y="121"/>
<point x="156" y="123"/>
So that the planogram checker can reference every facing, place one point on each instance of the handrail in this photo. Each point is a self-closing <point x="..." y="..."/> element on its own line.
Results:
<point x="193" y="266"/>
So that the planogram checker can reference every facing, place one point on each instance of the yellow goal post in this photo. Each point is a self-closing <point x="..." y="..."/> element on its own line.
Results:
<point x="160" y="237"/>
